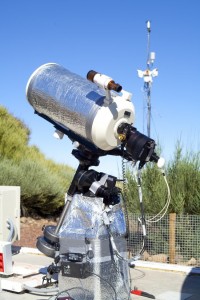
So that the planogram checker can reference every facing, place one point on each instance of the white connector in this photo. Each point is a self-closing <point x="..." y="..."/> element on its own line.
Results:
<point x="161" y="162"/>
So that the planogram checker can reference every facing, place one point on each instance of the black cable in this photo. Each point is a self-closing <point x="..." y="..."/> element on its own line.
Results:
<point x="139" y="276"/>
<point x="108" y="283"/>
<point x="67" y="292"/>
<point x="125" y="196"/>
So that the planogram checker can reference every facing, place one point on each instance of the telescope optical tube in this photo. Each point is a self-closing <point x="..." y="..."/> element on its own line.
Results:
<point x="72" y="102"/>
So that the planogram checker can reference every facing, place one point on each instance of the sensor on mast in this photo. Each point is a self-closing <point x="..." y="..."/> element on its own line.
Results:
<point x="147" y="76"/>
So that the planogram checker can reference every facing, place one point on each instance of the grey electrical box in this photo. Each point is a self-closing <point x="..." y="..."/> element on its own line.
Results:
<point x="9" y="211"/>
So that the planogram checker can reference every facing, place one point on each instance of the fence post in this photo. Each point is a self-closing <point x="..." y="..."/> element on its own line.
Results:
<point x="172" y="237"/>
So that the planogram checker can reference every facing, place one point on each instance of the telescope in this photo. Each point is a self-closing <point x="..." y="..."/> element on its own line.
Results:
<point x="95" y="112"/>
<point x="89" y="241"/>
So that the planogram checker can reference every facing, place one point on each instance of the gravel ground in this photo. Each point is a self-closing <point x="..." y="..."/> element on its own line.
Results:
<point x="30" y="230"/>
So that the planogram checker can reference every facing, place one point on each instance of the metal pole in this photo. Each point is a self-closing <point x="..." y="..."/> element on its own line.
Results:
<point x="148" y="90"/>
<point x="172" y="238"/>
<point x="149" y="110"/>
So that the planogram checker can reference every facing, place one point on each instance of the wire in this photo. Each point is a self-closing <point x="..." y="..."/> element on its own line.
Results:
<point x="108" y="283"/>
<point x="124" y="196"/>
<point x="40" y="290"/>
<point x="142" y="275"/>
<point x="114" y="251"/>
<point x="142" y="220"/>
<point x="119" y="256"/>
<point x="154" y="219"/>
<point x="68" y="291"/>
<point x="163" y="211"/>
<point x="12" y="234"/>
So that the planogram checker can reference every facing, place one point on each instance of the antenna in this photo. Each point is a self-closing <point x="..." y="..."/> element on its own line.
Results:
<point x="147" y="77"/>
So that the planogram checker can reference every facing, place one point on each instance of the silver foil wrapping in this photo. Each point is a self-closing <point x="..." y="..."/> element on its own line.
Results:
<point x="65" y="97"/>
<point x="84" y="231"/>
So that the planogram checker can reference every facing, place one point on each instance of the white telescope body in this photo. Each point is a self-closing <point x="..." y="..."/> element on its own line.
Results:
<point x="79" y="105"/>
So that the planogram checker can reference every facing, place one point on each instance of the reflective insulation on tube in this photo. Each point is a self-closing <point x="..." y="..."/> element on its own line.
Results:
<point x="77" y="104"/>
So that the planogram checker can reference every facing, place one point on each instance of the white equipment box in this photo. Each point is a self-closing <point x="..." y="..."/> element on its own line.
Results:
<point x="5" y="258"/>
<point x="9" y="211"/>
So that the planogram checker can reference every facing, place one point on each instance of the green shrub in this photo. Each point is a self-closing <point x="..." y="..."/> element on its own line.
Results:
<point x="183" y="175"/>
<point x="14" y="136"/>
<point x="43" y="182"/>
<point x="184" y="179"/>
<point x="41" y="190"/>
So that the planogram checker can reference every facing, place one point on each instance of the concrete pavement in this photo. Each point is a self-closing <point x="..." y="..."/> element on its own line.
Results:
<point x="165" y="282"/>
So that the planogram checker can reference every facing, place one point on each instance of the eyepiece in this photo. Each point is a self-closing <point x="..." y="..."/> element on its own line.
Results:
<point x="103" y="81"/>
<point x="114" y="86"/>
<point x="90" y="75"/>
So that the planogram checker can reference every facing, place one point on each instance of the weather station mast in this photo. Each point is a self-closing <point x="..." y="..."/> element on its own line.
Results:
<point x="147" y="76"/>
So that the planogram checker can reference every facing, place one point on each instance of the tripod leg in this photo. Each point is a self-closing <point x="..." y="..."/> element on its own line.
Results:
<point x="64" y="212"/>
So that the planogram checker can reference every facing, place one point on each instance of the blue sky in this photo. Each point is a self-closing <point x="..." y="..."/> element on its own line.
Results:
<point x="110" y="37"/>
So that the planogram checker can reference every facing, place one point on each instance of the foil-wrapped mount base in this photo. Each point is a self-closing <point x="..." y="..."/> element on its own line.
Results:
<point x="90" y="267"/>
